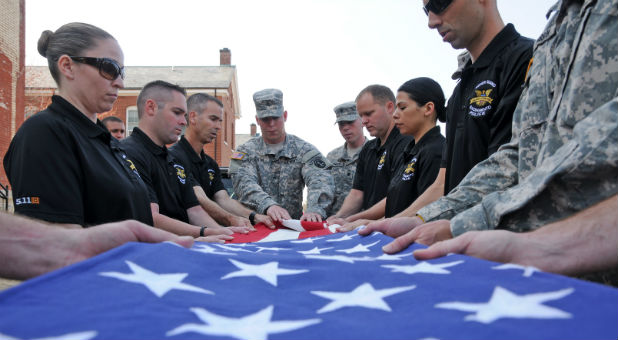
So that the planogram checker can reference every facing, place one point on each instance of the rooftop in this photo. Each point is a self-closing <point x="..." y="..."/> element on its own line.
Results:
<point x="220" y="77"/>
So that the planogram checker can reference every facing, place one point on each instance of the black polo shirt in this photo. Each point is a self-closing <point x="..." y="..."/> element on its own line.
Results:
<point x="375" y="166"/>
<point x="415" y="170"/>
<point x="169" y="185"/>
<point x="63" y="168"/>
<point x="480" y="112"/>
<point x="202" y="167"/>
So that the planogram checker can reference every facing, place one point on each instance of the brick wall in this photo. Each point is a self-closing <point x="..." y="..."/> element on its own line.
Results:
<point x="12" y="75"/>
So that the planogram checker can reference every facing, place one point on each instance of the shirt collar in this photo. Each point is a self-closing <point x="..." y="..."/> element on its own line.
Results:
<point x="288" y="150"/>
<point x="185" y="145"/>
<point x="153" y="148"/>
<point x="414" y="148"/>
<point x="85" y="125"/>
<point x="495" y="47"/>
<point x="391" y="136"/>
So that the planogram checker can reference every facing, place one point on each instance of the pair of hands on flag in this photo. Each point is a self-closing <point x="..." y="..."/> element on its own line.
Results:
<point x="278" y="214"/>
<point x="405" y="230"/>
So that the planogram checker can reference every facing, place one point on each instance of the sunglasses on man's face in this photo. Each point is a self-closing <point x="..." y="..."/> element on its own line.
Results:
<point x="108" y="68"/>
<point x="436" y="6"/>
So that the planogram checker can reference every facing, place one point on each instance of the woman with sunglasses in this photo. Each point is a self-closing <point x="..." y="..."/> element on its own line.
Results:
<point x="63" y="164"/>
<point x="420" y="103"/>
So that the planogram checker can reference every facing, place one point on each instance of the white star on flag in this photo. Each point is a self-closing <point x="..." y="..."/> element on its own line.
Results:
<point x="87" y="335"/>
<point x="314" y="251"/>
<point x="340" y="258"/>
<point x="505" y="304"/>
<point x="345" y="237"/>
<point x="202" y="248"/>
<point x="392" y="257"/>
<point x="422" y="267"/>
<point x="359" y="248"/>
<point x="307" y="240"/>
<point x="267" y="272"/>
<point x="159" y="284"/>
<point x="362" y="296"/>
<point x="259" y="249"/>
<point x="255" y="326"/>
<point x="233" y="248"/>
<point x="528" y="270"/>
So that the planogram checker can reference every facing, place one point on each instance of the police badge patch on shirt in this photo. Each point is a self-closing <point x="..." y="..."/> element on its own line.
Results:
<point x="180" y="172"/>
<point x="382" y="160"/>
<point x="484" y="95"/>
<point x="409" y="171"/>
<point x="131" y="165"/>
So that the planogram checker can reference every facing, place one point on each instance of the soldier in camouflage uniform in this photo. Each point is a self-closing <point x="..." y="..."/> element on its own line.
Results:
<point x="269" y="172"/>
<point x="563" y="154"/>
<point x="344" y="158"/>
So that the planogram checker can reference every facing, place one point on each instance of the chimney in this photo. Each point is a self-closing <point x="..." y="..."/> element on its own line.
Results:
<point x="253" y="129"/>
<point x="225" y="56"/>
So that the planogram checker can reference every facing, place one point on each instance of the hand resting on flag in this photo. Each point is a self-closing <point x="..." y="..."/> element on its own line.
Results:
<point x="29" y="248"/>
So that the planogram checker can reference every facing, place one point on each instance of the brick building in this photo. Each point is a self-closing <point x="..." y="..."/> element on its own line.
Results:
<point x="12" y="47"/>
<point x="219" y="81"/>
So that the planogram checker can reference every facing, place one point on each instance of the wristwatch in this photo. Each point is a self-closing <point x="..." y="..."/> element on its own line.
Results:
<point x="202" y="230"/>
<point x="252" y="217"/>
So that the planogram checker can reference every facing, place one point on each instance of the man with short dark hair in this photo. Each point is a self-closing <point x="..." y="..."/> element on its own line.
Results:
<point x="161" y="109"/>
<point x="375" y="105"/>
<point x="203" y="123"/>
<point x="115" y="126"/>
<point x="343" y="160"/>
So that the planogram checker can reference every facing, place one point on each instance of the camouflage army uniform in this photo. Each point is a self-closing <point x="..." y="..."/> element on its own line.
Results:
<point x="342" y="167"/>
<point x="262" y="179"/>
<point x="563" y="154"/>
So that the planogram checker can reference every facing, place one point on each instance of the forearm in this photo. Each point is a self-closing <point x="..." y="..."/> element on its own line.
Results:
<point x="496" y="173"/>
<point x="430" y="195"/>
<point x="583" y="243"/>
<point x="199" y="217"/>
<point x="175" y="226"/>
<point x="213" y="209"/>
<point x="250" y="193"/>
<point x="232" y="206"/>
<point x="373" y="213"/>
<point x="29" y="248"/>
<point x="352" y="204"/>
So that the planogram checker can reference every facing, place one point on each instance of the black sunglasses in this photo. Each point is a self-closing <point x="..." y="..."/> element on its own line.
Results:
<point x="436" y="6"/>
<point x="108" y="68"/>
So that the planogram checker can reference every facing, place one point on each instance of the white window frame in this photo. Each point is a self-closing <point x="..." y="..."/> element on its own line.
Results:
<point x="132" y="119"/>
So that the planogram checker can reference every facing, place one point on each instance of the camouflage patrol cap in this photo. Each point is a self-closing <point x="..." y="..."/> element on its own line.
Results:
<point x="346" y="112"/>
<point x="268" y="103"/>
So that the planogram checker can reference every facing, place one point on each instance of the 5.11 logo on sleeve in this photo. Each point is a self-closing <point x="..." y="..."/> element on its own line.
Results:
<point x="27" y="200"/>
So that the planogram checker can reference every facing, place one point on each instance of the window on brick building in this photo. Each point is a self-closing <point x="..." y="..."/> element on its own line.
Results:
<point x="132" y="119"/>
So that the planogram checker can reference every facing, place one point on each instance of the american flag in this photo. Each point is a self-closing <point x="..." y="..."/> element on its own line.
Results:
<point x="337" y="286"/>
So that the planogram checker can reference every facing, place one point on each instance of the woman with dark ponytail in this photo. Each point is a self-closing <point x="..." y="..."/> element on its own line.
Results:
<point x="420" y="103"/>
<point x="63" y="164"/>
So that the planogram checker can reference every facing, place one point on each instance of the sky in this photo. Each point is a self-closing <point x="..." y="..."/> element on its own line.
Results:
<point x="320" y="53"/>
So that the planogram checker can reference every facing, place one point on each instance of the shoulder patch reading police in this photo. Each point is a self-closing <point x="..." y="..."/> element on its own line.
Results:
<point x="484" y="95"/>
<point x="180" y="172"/>
<point x="238" y="155"/>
